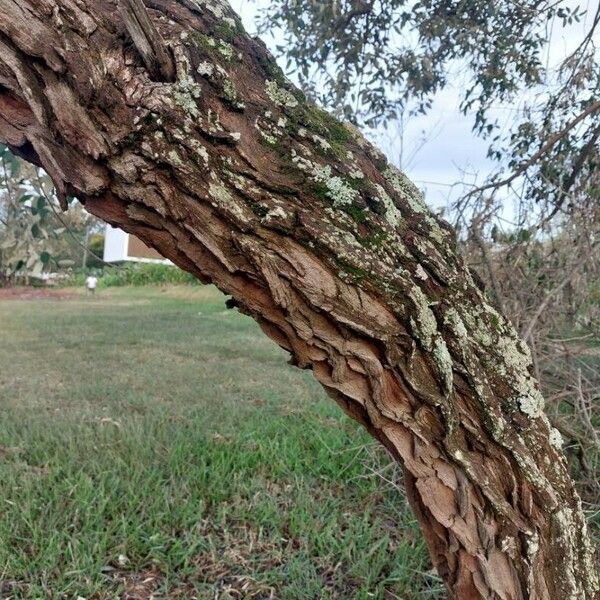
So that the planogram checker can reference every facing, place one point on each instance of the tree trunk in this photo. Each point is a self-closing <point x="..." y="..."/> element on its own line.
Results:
<point x="169" y="121"/>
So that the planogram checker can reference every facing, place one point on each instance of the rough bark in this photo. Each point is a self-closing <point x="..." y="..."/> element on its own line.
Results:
<point x="179" y="128"/>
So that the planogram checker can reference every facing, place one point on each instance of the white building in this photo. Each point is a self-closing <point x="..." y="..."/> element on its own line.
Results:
<point x="123" y="247"/>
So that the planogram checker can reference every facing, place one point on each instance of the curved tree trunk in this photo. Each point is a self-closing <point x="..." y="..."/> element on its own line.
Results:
<point x="170" y="122"/>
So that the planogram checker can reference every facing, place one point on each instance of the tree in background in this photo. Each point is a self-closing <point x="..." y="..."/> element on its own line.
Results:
<point x="371" y="61"/>
<point x="173" y="123"/>
<point x="34" y="237"/>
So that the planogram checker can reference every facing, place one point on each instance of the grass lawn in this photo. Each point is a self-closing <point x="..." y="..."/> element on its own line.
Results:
<point x="155" y="444"/>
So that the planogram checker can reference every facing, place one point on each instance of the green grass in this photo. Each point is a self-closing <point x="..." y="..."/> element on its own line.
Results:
<point x="152" y="441"/>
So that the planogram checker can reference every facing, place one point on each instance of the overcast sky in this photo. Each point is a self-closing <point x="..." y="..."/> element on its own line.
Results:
<point x="451" y="152"/>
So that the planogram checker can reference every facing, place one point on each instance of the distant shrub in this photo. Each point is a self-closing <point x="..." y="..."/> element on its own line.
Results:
<point x="96" y="247"/>
<point x="135" y="274"/>
<point x="75" y="279"/>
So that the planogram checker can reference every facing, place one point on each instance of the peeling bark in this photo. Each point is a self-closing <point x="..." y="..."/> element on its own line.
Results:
<point x="179" y="128"/>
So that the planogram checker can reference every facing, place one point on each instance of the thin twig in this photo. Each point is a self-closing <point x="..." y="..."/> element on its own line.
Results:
<point x="550" y="143"/>
<point x="542" y="307"/>
<point x="66" y="226"/>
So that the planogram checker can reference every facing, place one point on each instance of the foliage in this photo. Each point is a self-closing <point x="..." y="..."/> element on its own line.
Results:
<point x="372" y="61"/>
<point x="176" y="447"/>
<point x="96" y="250"/>
<point x="34" y="237"/>
<point x="25" y="225"/>
<point x="135" y="274"/>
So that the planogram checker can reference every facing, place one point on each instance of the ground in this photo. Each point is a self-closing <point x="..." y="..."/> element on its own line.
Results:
<point x="155" y="445"/>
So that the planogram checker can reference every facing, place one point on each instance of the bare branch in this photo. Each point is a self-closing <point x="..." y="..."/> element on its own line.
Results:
<point x="550" y="143"/>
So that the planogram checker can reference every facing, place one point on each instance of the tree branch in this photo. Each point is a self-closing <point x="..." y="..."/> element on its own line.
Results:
<point x="594" y="107"/>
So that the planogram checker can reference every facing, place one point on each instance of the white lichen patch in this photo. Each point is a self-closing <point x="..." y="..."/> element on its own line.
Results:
<point x="533" y="545"/>
<point x="191" y="144"/>
<point x="219" y="9"/>
<point x="455" y="323"/>
<point x="231" y="95"/>
<point x="443" y="360"/>
<point x="338" y="190"/>
<point x="517" y="362"/>
<point x="497" y="318"/>
<point x="185" y="93"/>
<point x="435" y="231"/>
<point x="484" y="338"/>
<point x="421" y="273"/>
<point x="229" y="90"/>
<point x="268" y="131"/>
<point x="174" y="158"/>
<point x="245" y="185"/>
<point x="280" y="95"/>
<point x="212" y="124"/>
<point x="212" y="71"/>
<point x="219" y="192"/>
<point x="226" y="50"/>
<point x="509" y="545"/>
<point x="267" y="137"/>
<point x="413" y="196"/>
<point x="459" y="456"/>
<point x="214" y="6"/>
<point x="223" y="199"/>
<point x="202" y="153"/>
<point x="566" y="524"/>
<point x="392" y="214"/>
<point x="480" y="330"/>
<point x="425" y="324"/>
<point x="532" y="406"/>
<point x="406" y="188"/>
<point x="321" y="142"/>
<point x="555" y="439"/>
<point x="276" y="213"/>
<point x="206" y="69"/>
<point x="356" y="174"/>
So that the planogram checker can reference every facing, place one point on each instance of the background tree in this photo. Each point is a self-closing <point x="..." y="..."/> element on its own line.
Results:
<point x="174" y="124"/>
<point x="34" y="237"/>
<point x="370" y="61"/>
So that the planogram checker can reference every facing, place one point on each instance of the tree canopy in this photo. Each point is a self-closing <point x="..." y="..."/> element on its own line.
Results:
<point x="372" y="60"/>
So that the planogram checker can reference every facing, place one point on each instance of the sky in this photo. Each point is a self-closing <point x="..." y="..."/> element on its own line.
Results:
<point x="450" y="152"/>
